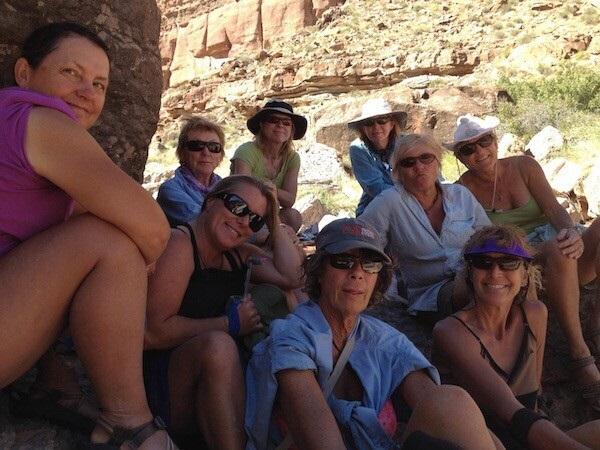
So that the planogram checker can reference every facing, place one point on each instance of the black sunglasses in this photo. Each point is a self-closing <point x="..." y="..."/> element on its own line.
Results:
<point x="469" y="149"/>
<point x="378" y="120"/>
<point x="411" y="161"/>
<point x="279" y="120"/>
<point x="196" y="146"/>
<point x="344" y="261"/>
<point x="504" y="263"/>
<point x="238" y="207"/>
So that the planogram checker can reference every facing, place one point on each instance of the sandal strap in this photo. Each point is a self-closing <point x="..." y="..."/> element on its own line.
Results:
<point x="580" y="363"/>
<point x="134" y="437"/>
<point x="145" y="431"/>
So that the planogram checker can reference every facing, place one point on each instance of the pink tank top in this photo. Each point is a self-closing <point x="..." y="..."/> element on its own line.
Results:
<point x="29" y="203"/>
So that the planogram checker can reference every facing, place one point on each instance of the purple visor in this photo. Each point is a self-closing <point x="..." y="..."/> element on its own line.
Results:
<point x="490" y="246"/>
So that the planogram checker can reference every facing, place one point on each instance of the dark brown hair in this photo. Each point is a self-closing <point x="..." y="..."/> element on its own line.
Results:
<point x="313" y="268"/>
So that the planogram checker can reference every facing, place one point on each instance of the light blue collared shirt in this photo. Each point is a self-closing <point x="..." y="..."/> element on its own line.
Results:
<point x="425" y="259"/>
<point x="381" y="358"/>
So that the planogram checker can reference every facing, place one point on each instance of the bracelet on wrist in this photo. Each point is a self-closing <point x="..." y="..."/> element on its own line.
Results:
<point x="521" y="423"/>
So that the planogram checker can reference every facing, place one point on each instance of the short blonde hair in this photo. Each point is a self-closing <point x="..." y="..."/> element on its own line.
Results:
<point x="198" y="123"/>
<point x="407" y="142"/>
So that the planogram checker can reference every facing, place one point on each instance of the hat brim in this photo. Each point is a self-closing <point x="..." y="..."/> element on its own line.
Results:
<point x="399" y="116"/>
<point x="300" y="122"/>
<point x="341" y="247"/>
<point x="452" y="145"/>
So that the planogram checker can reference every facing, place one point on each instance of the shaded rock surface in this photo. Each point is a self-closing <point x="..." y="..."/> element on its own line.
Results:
<point x="131" y="29"/>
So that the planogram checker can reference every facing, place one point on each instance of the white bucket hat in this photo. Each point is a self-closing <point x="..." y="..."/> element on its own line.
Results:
<point x="469" y="127"/>
<point x="376" y="107"/>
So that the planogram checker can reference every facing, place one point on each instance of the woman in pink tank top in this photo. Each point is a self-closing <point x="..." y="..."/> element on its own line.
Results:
<point x="85" y="271"/>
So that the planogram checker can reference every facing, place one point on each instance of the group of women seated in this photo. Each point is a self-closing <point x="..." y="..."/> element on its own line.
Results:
<point x="193" y="335"/>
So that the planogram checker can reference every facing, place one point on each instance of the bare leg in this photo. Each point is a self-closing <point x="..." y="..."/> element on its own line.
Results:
<point x="450" y="413"/>
<point x="587" y="434"/>
<point x="589" y="267"/>
<point x="562" y="287"/>
<point x="91" y="273"/>
<point x="208" y="369"/>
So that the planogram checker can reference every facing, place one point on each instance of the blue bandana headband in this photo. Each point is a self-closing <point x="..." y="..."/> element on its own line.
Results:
<point x="490" y="246"/>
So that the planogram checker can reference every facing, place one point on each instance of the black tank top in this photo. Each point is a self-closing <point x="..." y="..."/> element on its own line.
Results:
<point x="209" y="289"/>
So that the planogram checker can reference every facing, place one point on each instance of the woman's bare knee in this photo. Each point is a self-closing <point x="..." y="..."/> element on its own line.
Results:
<point x="213" y="351"/>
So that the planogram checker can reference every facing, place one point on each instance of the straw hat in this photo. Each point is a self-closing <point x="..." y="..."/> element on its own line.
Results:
<point x="470" y="127"/>
<point x="281" y="107"/>
<point x="377" y="107"/>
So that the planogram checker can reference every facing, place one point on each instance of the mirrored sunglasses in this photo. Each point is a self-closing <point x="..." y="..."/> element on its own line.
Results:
<point x="344" y="261"/>
<point x="239" y="208"/>
<point x="411" y="161"/>
<point x="377" y="120"/>
<point x="195" y="145"/>
<point x="279" y="120"/>
<point x="504" y="263"/>
<point x="468" y="149"/>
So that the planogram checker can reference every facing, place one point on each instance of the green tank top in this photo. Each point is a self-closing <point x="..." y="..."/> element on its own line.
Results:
<point x="527" y="217"/>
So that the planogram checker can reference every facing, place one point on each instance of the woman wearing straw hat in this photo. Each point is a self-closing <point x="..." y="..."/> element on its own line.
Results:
<point x="378" y="126"/>
<point x="271" y="158"/>
<point x="515" y="191"/>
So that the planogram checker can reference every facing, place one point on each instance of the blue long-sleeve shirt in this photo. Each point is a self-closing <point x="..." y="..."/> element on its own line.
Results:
<point x="372" y="171"/>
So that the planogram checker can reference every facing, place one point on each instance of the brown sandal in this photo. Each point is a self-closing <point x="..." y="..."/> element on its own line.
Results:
<point x="133" y="438"/>
<point x="589" y="392"/>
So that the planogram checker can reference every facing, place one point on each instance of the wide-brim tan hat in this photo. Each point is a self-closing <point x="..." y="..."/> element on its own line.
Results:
<point x="470" y="127"/>
<point x="377" y="107"/>
<point x="281" y="107"/>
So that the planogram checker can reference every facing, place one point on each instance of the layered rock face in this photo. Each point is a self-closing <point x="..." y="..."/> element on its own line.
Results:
<point x="131" y="30"/>
<point x="435" y="60"/>
<point x="195" y="31"/>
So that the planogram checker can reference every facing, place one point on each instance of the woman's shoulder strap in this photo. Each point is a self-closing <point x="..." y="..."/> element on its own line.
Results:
<point x="194" y="244"/>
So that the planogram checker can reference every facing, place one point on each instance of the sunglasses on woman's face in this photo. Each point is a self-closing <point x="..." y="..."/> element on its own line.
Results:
<point x="469" y="149"/>
<point x="344" y="261"/>
<point x="195" y="145"/>
<point x="238" y="207"/>
<point x="377" y="120"/>
<point x="411" y="161"/>
<point x="274" y="120"/>
<point x="504" y="263"/>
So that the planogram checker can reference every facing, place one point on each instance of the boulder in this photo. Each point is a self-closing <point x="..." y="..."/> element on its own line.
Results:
<point x="319" y="164"/>
<point x="562" y="174"/>
<point x="508" y="145"/>
<point x="544" y="142"/>
<point x="131" y="30"/>
<point x="311" y="209"/>
<point x="591" y="189"/>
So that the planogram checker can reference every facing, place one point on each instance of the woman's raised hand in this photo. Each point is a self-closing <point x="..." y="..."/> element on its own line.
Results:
<point x="570" y="242"/>
<point x="249" y="317"/>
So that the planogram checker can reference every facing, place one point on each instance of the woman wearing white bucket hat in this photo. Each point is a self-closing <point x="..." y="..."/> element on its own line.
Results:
<point x="378" y="126"/>
<point x="515" y="191"/>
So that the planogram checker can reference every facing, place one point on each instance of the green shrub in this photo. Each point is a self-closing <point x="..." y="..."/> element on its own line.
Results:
<point x="568" y="100"/>
<point x="572" y="86"/>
